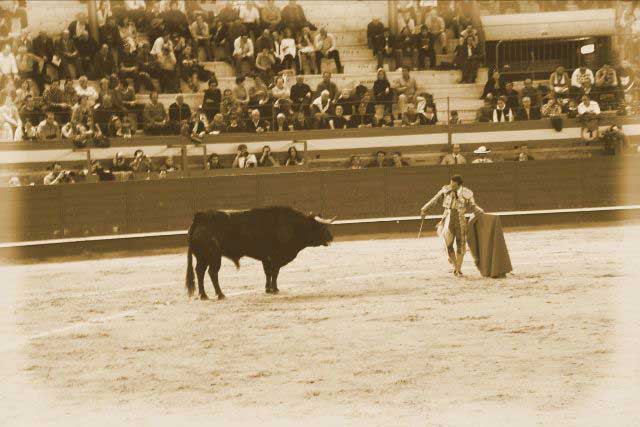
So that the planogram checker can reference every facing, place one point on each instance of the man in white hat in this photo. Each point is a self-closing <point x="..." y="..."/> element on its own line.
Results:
<point x="483" y="155"/>
<point x="457" y="201"/>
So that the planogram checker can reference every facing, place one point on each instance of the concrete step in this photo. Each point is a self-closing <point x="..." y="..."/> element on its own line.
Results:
<point x="351" y="38"/>
<point x="355" y="53"/>
<point x="222" y="69"/>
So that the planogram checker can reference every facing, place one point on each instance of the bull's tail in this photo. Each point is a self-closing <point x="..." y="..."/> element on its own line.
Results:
<point x="190" y="283"/>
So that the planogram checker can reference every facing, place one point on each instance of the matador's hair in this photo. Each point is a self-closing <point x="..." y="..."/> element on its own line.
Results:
<point x="457" y="178"/>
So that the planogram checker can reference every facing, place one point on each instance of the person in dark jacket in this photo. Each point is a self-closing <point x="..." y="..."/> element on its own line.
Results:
<point x="527" y="111"/>
<point x="300" y="94"/>
<point x="103" y="65"/>
<point x="179" y="113"/>
<point x="385" y="46"/>
<point x="495" y="85"/>
<point x="212" y="99"/>
<point x="382" y="93"/>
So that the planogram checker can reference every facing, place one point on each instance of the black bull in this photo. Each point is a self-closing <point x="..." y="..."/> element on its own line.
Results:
<point x="273" y="235"/>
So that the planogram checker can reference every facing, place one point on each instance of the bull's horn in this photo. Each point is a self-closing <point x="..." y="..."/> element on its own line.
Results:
<point x="325" y="221"/>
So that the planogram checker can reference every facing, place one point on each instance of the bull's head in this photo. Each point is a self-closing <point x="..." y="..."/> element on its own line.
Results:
<point x="320" y="234"/>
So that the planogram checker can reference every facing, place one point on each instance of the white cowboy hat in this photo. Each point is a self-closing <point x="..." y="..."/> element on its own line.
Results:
<point x="482" y="150"/>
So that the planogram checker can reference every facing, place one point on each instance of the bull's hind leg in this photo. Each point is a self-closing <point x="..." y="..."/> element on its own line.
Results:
<point x="201" y="268"/>
<point x="214" y="268"/>
<point x="274" y="280"/>
<point x="266" y="265"/>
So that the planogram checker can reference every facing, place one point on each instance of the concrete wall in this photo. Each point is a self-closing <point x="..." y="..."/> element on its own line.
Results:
<point x="35" y="213"/>
<point x="52" y="16"/>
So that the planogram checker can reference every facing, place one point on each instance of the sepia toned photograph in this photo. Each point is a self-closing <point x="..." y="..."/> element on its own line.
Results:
<point x="319" y="213"/>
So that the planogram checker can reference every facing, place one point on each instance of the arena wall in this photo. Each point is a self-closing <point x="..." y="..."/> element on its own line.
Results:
<point x="112" y="209"/>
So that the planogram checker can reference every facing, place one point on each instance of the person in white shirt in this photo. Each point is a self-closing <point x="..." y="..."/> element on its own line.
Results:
<point x="250" y="17"/>
<point x="90" y="92"/>
<point x="502" y="113"/>
<point x="156" y="49"/>
<point x="325" y="45"/>
<point x="243" y="159"/>
<point x="588" y="106"/>
<point x="8" y="65"/>
<point x="581" y="75"/>
<point x="288" y="50"/>
<point x="483" y="155"/>
<point x="242" y="51"/>
<point x="201" y="36"/>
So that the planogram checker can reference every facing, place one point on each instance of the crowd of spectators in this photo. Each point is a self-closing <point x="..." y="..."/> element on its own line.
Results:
<point x="583" y="94"/>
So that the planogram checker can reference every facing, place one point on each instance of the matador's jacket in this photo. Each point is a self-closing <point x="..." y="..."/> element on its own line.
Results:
<point x="461" y="201"/>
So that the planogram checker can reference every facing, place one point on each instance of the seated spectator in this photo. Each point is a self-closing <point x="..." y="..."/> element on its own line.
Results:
<point x="167" y="66"/>
<point x="270" y="15"/>
<point x="325" y="46"/>
<point x="531" y="92"/>
<point x="454" y="118"/>
<point x="168" y="165"/>
<point x="306" y="52"/>
<point x="361" y="118"/>
<point x="424" y="49"/>
<point x="110" y="35"/>
<point x="10" y="121"/>
<point x="483" y="155"/>
<point x="397" y="161"/>
<point x="250" y="17"/>
<point x="228" y="104"/>
<point x="406" y="88"/>
<point x="265" y="66"/>
<point x="48" y="129"/>
<point x="212" y="99"/>
<point x="580" y="75"/>
<point x="501" y="113"/>
<point x="300" y="122"/>
<point x="588" y="107"/>
<point x="30" y="111"/>
<point x="523" y="154"/>
<point x="243" y="159"/>
<point x="379" y="161"/>
<point x="241" y="94"/>
<point x="406" y="45"/>
<point x="552" y="108"/>
<point x="175" y="20"/>
<point x="293" y="157"/>
<point x="155" y="117"/>
<point x="281" y="123"/>
<point x="512" y="96"/>
<point x="68" y="56"/>
<point x="141" y="162"/>
<point x="293" y="17"/>
<point x="88" y="133"/>
<point x="559" y="82"/>
<point x="607" y="86"/>
<point x="90" y="92"/>
<point x="87" y="48"/>
<point x="53" y="99"/>
<point x="411" y="117"/>
<point x="382" y="90"/>
<point x="430" y="117"/>
<point x="8" y="65"/>
<point x="300" y="94"/>
<point x="287" y="51"/>
<point x="406" y="14"/>
<point x="27" y="64"/>
<point x="197" y="128"/>
<point x="454" y="158"/>
<point x="495" y="85"/>
<point x="103" y="65"/>
<point x="201" y="36"/>
<point x="385" y="46"/>
<point x="217" y="125"/>
<point x="266" y="158"/>
<point x="119" y="163"/>
<point x="321" y="108"/>
<point x="355" y="162"/>
<point x="243" y="52"/>
<point x="81" y="111"/>
<point x="256" y="124"/>
<point x="527" y="112"/>
<point x="485" y="113"/>
<point x="338" y="120"/>
<point x="213" y="162"/>
<point x="56" y="175"/>
<point x="179" y="114"/>
<point x="192" y="71"/>
<point x="437" y="33"/>
<point x="346" y="101"/>
<point x="265" y="41"/>
<point x="280" y="91"/>
<point x="572" y="109"/>
<point x="378" y="116"/>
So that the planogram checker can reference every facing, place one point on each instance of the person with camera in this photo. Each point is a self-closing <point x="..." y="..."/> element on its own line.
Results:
<point x="58" y="176"/>
<point x="140" y="162"/>
<point x="243" y="159"/>
<point x="267" y="159"/>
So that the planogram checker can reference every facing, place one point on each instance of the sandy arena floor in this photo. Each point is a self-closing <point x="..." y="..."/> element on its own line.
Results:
<point x="373" y="332"/>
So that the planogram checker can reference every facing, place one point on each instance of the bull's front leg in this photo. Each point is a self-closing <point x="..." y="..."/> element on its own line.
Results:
<point x="266" y="266"/>
<point x="274" y="280"/>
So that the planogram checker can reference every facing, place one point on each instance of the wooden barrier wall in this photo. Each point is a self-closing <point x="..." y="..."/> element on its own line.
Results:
<point x="50" y="212"/>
